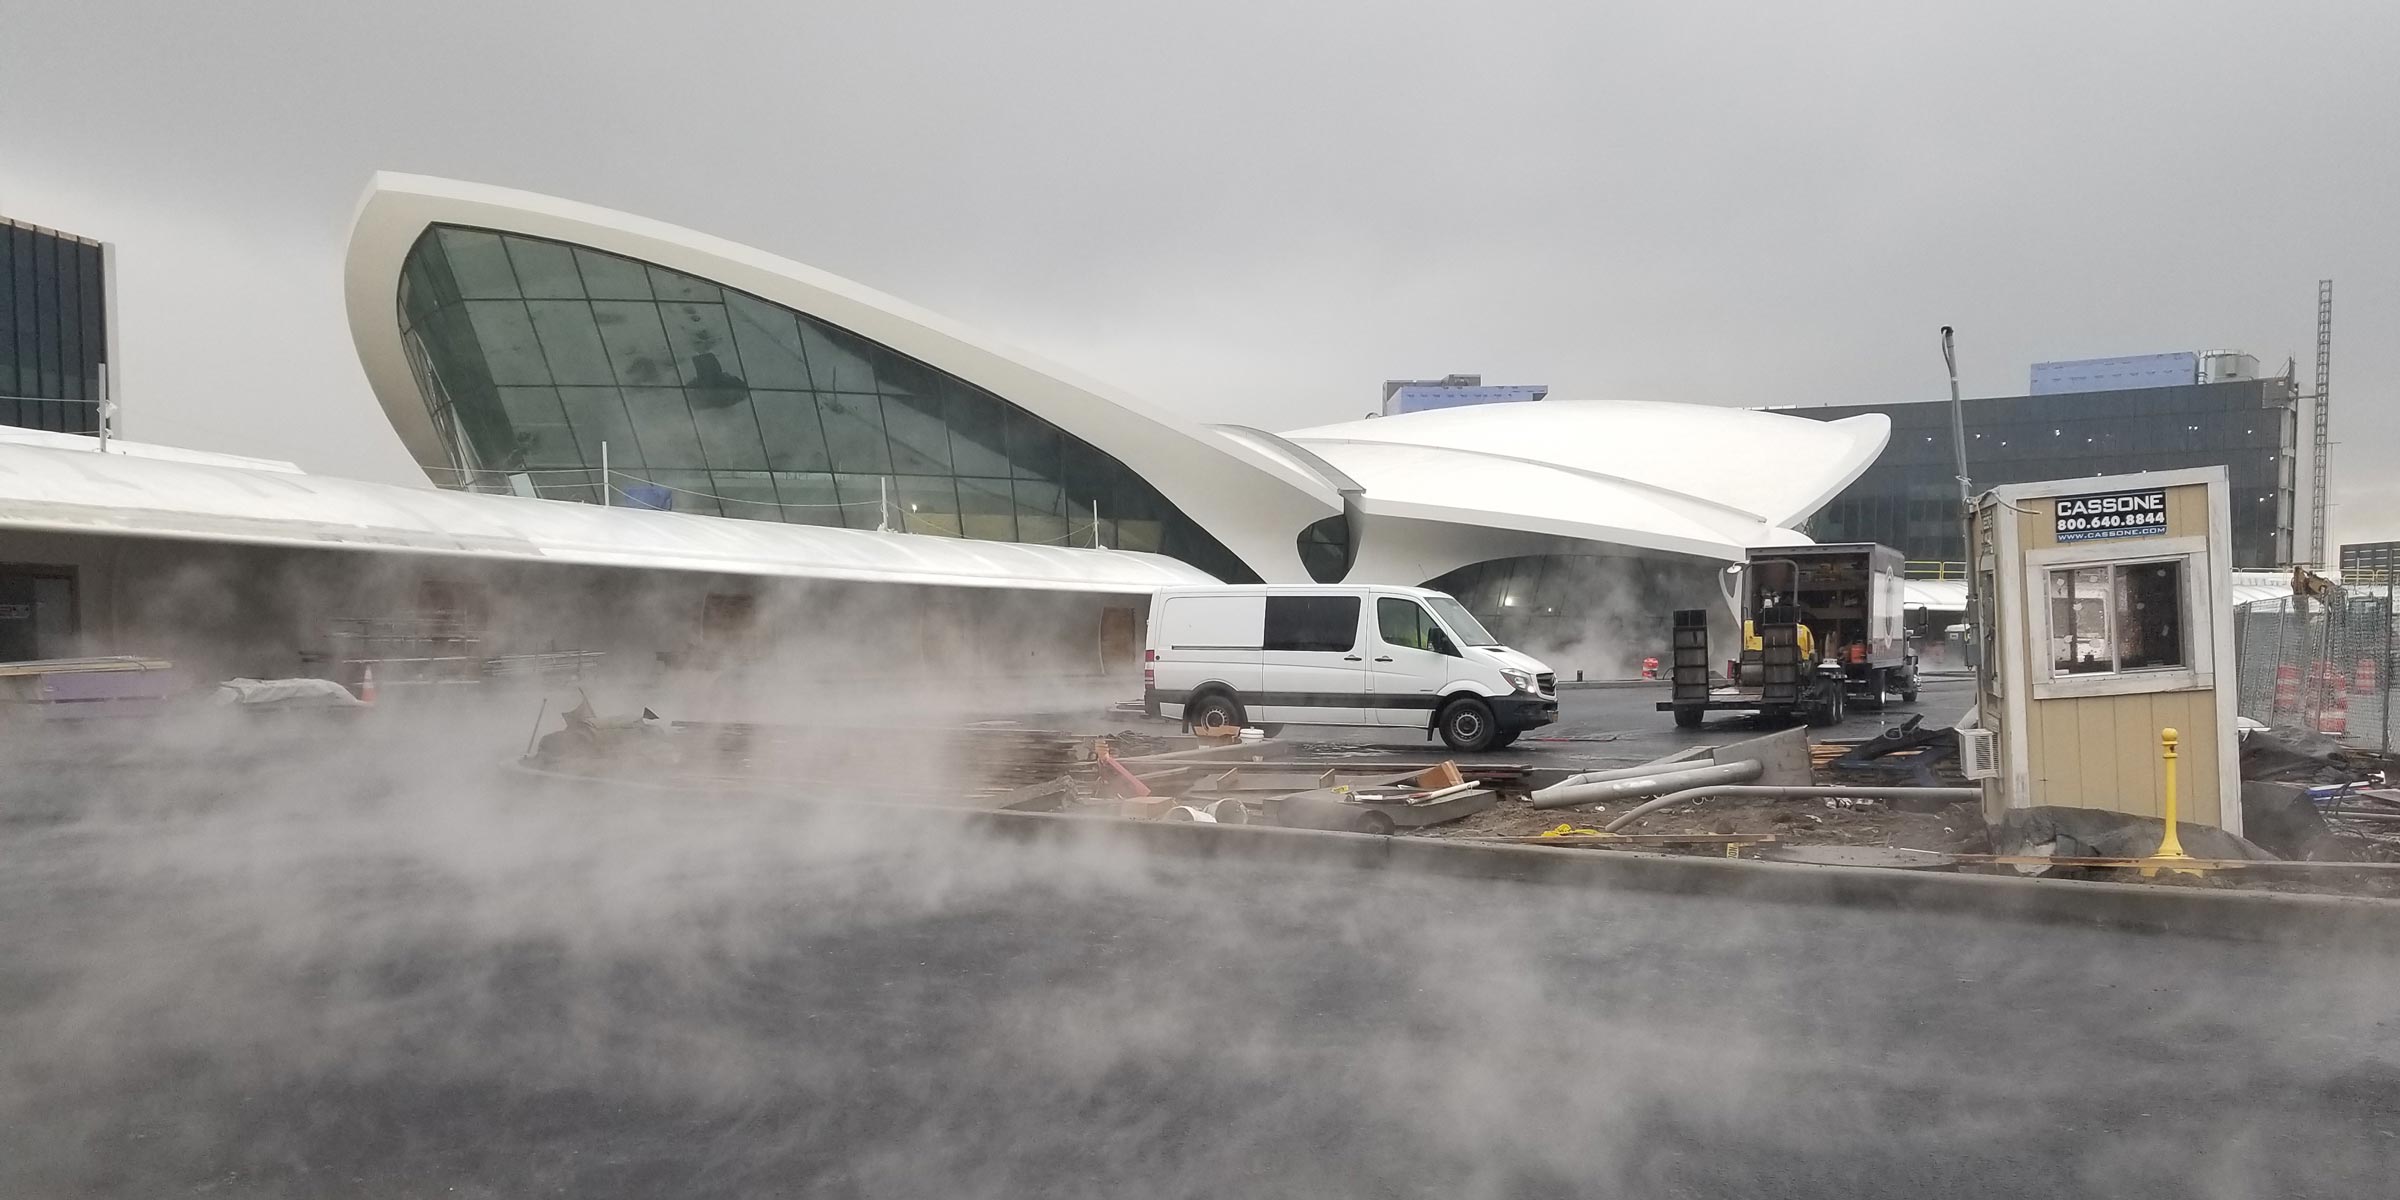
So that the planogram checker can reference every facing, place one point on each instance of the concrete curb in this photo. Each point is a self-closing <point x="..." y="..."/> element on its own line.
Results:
<point x="2288" y="918"/>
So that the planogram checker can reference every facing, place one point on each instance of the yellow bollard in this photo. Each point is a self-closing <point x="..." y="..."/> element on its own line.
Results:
<point x="2169" y="847"/>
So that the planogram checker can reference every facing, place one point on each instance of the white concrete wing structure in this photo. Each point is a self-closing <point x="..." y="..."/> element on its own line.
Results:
<point x="510" y="336"/>
<point x="1678" y="479"/>
<point x="1251" y="503"/>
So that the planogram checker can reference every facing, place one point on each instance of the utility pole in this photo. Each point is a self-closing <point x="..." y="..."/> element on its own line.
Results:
<point x="1958" y="426"/>
<point x="2316" y="488"/>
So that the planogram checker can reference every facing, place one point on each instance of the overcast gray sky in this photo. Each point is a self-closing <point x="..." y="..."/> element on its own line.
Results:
<point x="1257" y="212"/>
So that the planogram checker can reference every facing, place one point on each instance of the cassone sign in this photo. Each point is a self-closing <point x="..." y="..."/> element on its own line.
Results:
<point x="2138" y="513"/>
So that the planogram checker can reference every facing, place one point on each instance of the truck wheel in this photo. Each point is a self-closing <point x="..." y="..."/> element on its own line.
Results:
<point x="1213" y="708"/>
<point x="1908" y="688"/>
<point x="1828" y="707"/>
<point x="1467" y="725"/>
<point x="1689" y="718"/>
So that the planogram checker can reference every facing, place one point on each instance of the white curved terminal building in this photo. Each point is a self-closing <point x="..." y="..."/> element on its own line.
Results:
<point x="511" y="337"/>
<point x="835" y="464"/>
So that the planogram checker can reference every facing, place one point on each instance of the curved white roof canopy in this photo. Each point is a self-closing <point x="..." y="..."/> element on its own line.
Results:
<point x="1254" y="503"/>
<point x="1679" y="478"/>
<point x="125" y="493"/>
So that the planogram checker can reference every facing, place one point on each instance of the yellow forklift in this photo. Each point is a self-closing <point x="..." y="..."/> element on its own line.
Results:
<point x="1822" y="626"/>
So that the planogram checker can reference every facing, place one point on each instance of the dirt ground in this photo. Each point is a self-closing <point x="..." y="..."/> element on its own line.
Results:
<point x="1958" y="829"/>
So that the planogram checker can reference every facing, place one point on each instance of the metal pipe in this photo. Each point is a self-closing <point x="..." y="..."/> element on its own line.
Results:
<point x="1649" y="785"/>
<point x="1798" y="792"/>
<point x="1690" y="754"/>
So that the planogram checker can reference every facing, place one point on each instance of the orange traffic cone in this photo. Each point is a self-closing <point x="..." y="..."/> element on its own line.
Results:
<point x="366" y="684"/>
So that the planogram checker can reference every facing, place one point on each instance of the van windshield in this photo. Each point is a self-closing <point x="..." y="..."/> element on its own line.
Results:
<point x="1461" y="622"/>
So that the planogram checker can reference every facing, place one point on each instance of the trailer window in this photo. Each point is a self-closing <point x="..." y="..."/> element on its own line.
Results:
<point x="2120" y="617"/>
<point x="1312" y="623"/>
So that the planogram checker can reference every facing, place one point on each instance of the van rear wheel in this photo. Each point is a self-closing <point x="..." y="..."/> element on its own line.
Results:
<point x="1213" y="709"/>
<point x="1467" y="725"/>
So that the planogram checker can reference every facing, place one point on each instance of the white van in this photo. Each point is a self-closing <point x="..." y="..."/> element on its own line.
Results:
<point x="1299" y="654"/>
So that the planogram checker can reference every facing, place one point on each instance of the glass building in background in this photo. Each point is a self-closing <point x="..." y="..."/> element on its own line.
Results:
<point x="54" y="328"/>
<point x="1909" y="498"/>
<point x="533" y="355"/>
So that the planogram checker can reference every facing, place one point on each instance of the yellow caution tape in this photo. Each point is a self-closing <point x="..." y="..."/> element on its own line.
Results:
<point x="1574" y="831"/>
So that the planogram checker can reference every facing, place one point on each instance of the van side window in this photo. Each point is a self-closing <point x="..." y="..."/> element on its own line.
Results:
<point x="1312" y="623"/>
<point x="1406" y="624"/>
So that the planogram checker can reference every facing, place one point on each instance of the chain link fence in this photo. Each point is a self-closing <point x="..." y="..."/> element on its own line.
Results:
<point x="2320" y="666"/>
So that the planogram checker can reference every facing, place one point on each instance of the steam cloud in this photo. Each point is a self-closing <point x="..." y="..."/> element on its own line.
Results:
<point x="270" y="959"/>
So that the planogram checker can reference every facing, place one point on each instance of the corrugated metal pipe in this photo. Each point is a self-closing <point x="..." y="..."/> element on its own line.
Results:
<point x="1705" y="791"/>
<point x="1567" y="795"/>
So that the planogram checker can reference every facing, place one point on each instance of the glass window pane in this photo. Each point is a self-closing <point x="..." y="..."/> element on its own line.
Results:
<point x="1032" y="446"/>
<point x="1319" y="623"/>
<point x="608" y="277"/>
<point x="663" y="422"/>
<point x="1140" y="535"/>
<point x="702" y="343"/>
<point x="1041" y="513"/>
<point x="863" y="499"/>
<point x="637" y="344"/>
<point x="2150" y="616"/>
<point x="794" y="439"/>
<point x="545" y="270"/>
<point x="748" y="495"/>
<point x="987" y="509"/>
<point x="2079" y="643"/>
<point x="598" y="416"/>
<point x="837" y="360"/>
<point x="809" y="498"/>
<point x="769" y="342"/>
<point x="978" y="433"/>
<point x="1402" y="623"/>
<point x="854" y="433"/>
<point x="731" y="437"/>
<point x="690" y="491"/>
<point x="675" y="285"/>
<point x="926" y="504"/>
<point x="920" y="441"/>
<point x="510" y="351"/>
<point x="543" y="438"/>
<point x="478" y="264"/>
<point x="571" y="342"/>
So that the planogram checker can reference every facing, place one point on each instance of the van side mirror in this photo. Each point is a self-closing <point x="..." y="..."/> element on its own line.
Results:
<point x="1441" y="642"/>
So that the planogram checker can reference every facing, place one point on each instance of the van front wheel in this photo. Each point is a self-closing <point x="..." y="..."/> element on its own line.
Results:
<point x="1467" y="725"/>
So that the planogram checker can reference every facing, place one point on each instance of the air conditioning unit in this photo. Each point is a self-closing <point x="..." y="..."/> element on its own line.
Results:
<point x="1979" y="753"/>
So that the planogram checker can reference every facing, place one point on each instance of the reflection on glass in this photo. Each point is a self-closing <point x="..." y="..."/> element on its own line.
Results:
<point x="2079" y="643"/>
<point x="2149" y="600"/>
<point x="534" y="354"/>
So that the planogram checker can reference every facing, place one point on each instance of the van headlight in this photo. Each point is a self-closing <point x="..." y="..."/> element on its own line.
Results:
<point x="1520" y="680"/>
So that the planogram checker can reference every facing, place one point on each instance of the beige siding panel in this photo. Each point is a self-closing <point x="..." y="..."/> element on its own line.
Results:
<point x="2095" y="729"/>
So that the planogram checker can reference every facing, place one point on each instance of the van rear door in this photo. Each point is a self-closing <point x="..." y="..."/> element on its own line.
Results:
<point x="1315" y="669"/>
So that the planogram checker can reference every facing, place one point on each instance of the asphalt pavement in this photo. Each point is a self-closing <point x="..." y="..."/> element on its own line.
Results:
<point x="364" y="976"/>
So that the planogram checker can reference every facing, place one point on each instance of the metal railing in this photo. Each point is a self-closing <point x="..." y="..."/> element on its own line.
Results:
<point x="1935" y="569"/>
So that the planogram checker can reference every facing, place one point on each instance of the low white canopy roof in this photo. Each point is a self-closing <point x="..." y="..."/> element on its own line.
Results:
<point x="128" y="493"/>
<point x="1683" y="478"/>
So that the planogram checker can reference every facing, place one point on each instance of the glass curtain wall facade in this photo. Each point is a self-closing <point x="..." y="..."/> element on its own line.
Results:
<point x="532" y="355"/>
<point x="1909" y="498"/>
<point x="53" y="328"/>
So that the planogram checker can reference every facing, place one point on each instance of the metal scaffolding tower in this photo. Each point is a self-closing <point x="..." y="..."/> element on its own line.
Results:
<point x="2316" y="490"/>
